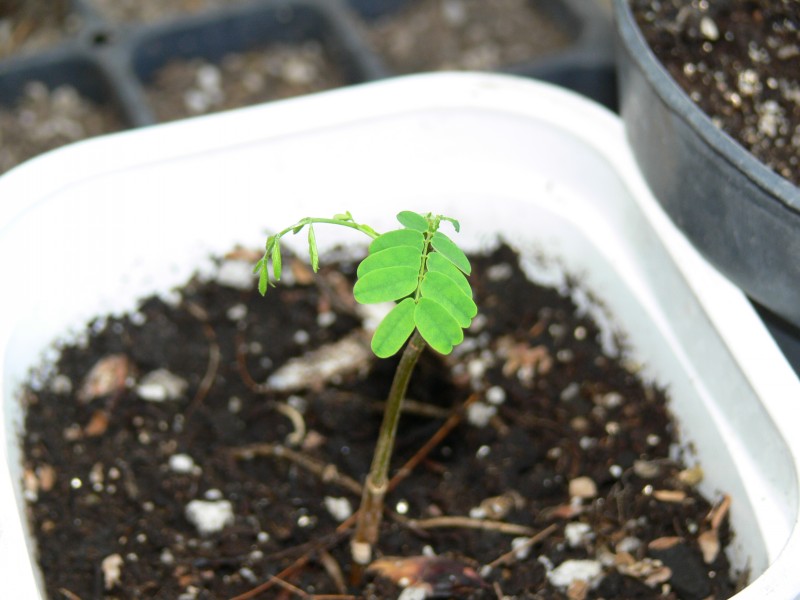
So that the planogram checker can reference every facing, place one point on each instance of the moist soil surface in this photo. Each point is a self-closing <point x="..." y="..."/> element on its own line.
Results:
<point x="433" y="35"/>
<point x="151" y="418"/>
<point x="738" y="60"/>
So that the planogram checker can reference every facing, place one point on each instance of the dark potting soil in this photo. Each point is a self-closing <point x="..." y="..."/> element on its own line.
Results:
<point x="739" y="60"/>
<point x="550" y="447"/>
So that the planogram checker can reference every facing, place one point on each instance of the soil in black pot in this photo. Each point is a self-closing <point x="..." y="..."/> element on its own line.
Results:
<point x="739" y="60"/>
<point x="433" y="35"/>
<point x="184" y="88"/>
<point x="159" y="465"/>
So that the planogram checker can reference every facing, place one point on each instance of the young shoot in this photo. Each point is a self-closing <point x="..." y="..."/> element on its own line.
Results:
<point x="425" y="273"/>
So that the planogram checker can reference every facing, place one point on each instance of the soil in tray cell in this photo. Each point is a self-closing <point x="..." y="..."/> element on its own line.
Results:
<point x="433" y="35"/>
<point x="149" y="11"/>
<point x="44" y="119"/>
<point x="184" y="88"/>
<point x="30" y="25"/>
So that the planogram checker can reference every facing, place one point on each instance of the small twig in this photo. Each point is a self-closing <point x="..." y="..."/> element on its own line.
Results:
<point x="298" y="435"/>
<point x="214" y="356"/>
<point x="300" y="562"/>
<point x="718" y="512"/>
<point x="499" y="426"/>
<point x="498" y="591"/>
<point x="470" y="523"/>
<point x="333" y="569"/>
<point x="68" y="594"/>
<point x="511" y="555"/>
<point x="274" y="579"/>
<point x="244" y="372"/>
<point x="347" y="524"/>
<point x="327" y="472"/>
<point x="452" y="421"/>
<point x="415" y="407"/>
<point x="293" y="589"/>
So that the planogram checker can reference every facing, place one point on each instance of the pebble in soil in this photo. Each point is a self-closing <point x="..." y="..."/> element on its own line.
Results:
<point x="739" y="61"/>
<point x="564" y="441"/>
<point x="184" y="88"/>
<point x="430" y="35"/>
<point x="44" y="119"/>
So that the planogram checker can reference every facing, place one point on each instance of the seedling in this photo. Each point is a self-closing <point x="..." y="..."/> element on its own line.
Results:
<point x="425" y="272"/>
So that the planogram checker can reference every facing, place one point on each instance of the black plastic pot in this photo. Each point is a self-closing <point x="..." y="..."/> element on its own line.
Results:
<point x="112" y="62"/>
<point x="743" y="217"/>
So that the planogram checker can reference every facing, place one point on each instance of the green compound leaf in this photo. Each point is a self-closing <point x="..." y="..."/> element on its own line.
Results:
<point x="439" y="264"/>
<point x="398" y="237"/>
<point x="394" y="330"/>
<point x="412" y="220"/>
<point x="437" y="326"/>
<point x="456" y="225"/>
<point x="396" y="256"/>
<point x="444" y="245"/>
<point x="276" y="261"/>
<point x="440" y="288"/>
<point x="263" y="280"/>
<point x="313" y="253"/>
<point x="384" y="285"/>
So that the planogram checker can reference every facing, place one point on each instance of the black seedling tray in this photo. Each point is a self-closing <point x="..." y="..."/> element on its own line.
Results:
<point x="111" y="63"/>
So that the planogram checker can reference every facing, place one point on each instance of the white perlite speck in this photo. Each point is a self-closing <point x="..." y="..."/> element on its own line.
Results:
<point x="574" y="570"/>
<point x="479" y="414"/>
<point x="577" y="534"/>
<point x="413" y="593"/>
<point x="161" y="385"/>
<point x="61" y="384"/>
<point x="181" y="463"/>
<point x="709" y="29"/>
<point x="496" y="395"/>
<point x="340" y="508"/>
<point x="521" y="547"/>
<point x="112" y="570"/>
<point x="237" y="312"/>
<point x="209" y="516"/>
<point x="237" y="274"/>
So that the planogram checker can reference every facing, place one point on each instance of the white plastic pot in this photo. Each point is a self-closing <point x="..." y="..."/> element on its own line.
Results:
<point x="93" y="227"/>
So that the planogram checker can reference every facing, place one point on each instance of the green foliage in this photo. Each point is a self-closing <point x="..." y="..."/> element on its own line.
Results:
<point x="418" y="265"/>
<point x="426" y="269"/>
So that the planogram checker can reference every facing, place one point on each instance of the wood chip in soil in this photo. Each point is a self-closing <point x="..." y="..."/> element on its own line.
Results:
<point x="433" y="35"/>
<point x="739" y="61"/>
<point x="159" y="476"/>
<point x="184" y="88"/>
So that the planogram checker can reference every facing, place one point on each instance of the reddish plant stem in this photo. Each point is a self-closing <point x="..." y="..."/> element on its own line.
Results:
<point x="370" y="512"/>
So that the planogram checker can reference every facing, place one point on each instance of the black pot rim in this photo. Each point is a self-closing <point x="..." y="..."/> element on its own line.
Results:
<point x="678" y="101"/>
